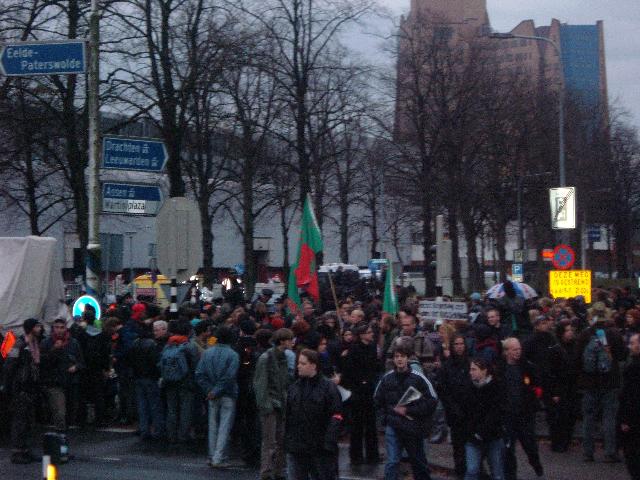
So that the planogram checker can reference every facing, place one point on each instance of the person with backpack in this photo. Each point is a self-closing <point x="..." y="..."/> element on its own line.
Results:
<point x="599" y="351"/>
<point x="143" y="358"/>
<point x="177" y="364"/>
<point x="217" y="376"/>
<point x="247" y="417"/>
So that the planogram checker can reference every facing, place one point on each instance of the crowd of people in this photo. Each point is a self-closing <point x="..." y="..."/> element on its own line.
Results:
<point x="283" y="387"/>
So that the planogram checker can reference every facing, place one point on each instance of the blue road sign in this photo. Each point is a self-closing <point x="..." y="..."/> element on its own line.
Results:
<point x="80" y="304"/>
<point x="142" y="154"/>
<point x="593" y="233"/>
<point x="517" y="272"/>
<point x="63" y="57"/>
<point x="131" y="199"/>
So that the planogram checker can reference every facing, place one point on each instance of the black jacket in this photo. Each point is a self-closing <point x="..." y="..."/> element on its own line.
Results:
<point x="390" y="390"/>
<point x="143" y="357"/>
<point x="485" y="413"/>
<point x="542" y="349"/>
<point x="530" y="390"/>
<point x="454" y="387"/>
<point x="361" y="368"/>
<point x="313" y="416"/>
<point x="55" y="363"/>
<point x="629" y="411"/>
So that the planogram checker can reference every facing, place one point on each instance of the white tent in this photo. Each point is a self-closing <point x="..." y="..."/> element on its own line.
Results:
<point x="31" y="283"/>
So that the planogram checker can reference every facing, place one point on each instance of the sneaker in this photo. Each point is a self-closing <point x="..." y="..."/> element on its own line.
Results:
<point x="588" y="458"/>
<point x="611" y="459"/>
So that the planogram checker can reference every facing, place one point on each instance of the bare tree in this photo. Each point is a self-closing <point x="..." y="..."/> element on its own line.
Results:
<point x="302" y="32"/>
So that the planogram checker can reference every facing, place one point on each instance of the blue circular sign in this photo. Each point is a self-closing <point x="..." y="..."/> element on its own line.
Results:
<point x="80" y="304"/>
<point x="563" y="257"/>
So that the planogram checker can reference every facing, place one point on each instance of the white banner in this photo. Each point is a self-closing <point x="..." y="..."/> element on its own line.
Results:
<point x="431" y="310"/>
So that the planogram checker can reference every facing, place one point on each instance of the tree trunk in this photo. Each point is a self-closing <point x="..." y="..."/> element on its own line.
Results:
<point x="285" y="245"/>
<point x="250" y="270"/>
<point x="344" y="229"/>
<point x="427" y="242"/>
<point x="476" y="280"/>
<point x="501" y="242"/>
<point x="454" y="236"/>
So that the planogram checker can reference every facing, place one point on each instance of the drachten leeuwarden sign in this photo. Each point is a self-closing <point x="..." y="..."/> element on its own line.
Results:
<point x="43" y="58"/>
<point x="142" y="154"/>
<point x="132" y="199"/>
<point x="570" y="283"/>
<point x="432" y="310"/>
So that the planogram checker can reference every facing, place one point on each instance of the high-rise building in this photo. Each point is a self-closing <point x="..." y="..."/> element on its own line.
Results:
<point x="581" y="48"/>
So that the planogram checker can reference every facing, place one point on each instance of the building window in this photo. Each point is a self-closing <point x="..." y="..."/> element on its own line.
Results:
<point x="442" y="34"/>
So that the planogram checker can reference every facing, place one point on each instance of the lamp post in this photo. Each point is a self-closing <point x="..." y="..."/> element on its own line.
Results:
<point x="92" y="272"/>
<point x="561" y="158"/>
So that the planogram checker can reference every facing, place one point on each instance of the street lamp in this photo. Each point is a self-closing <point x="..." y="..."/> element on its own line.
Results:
<point x="508" y="36"/>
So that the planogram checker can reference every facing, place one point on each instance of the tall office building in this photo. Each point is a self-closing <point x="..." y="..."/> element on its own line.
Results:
<point x="581" y="48"/>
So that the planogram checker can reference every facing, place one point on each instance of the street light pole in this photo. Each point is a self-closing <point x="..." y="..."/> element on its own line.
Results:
<point x="93" y="264"/>
<point x="561" y="94"/>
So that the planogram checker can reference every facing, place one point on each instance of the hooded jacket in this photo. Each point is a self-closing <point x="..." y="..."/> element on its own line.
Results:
<point x="390" y="390"/>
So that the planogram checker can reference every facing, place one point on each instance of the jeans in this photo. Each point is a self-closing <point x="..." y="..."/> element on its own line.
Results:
<point x="221" y="413"/>
<point x="58" y="407"/>
<point x="414" y="446"/>
<point x="179" y="411"/>
<point x="592" y="402"/>
<point x="149" y="407"/>
<point x="494" y="452"/>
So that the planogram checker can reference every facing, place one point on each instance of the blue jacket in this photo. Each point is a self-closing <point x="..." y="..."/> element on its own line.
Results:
<point x="217" y="371"/>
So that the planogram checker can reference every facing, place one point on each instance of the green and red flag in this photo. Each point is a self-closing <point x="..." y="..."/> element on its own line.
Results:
<point x="390" y="303"/>
<point x="304" y="272"/>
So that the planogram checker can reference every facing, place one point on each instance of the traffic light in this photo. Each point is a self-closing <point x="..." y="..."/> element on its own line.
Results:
<point x="434" y="256"/>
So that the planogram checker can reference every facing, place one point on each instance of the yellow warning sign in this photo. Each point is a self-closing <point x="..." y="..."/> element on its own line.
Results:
<point x="570" y="283"/>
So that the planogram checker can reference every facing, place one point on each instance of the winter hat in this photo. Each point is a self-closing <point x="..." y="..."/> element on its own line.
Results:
<point x="29" y="324"/>
<point x="137" y="311"/>
<point x="475" y="296"/>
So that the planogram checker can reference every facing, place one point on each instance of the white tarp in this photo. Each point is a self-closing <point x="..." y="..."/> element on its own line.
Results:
<point x="31" y="283"/>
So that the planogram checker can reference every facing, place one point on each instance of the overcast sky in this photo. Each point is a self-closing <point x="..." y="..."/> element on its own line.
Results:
<point x="622" y="35"/>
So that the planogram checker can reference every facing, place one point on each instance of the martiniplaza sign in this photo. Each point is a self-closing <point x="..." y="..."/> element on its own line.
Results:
<point x="62" y="57"/>
<point x="131" y="199"/>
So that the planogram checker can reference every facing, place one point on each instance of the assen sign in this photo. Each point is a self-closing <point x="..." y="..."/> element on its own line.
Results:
<point x="43" y="58"/>
<point x="131" y="199"/>
<point x="141" y="154"/>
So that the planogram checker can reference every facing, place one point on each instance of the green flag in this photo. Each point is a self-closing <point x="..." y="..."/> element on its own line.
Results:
<point x="390" y="304"/>
<point x="303" y="273"/>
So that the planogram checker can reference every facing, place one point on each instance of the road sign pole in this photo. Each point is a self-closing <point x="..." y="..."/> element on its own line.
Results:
<point x="92" y="274"/>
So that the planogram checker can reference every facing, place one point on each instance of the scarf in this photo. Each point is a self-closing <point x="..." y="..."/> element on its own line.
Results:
<point x="34" y="348"/>
<point x="482" y="383"/>
<point x="178" y="339"/>
<point x="64" y="338"/>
